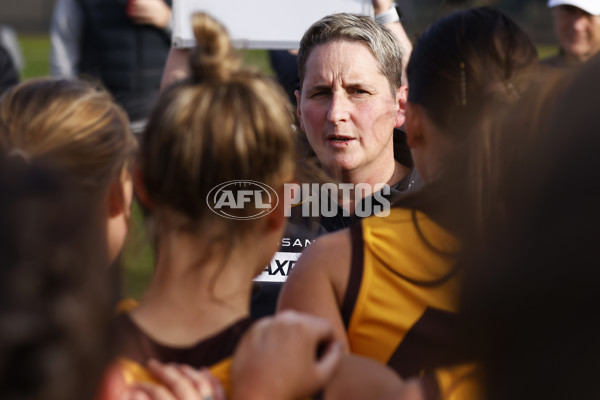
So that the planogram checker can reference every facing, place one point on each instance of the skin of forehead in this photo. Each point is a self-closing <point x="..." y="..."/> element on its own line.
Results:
<point x="334" y="42"/>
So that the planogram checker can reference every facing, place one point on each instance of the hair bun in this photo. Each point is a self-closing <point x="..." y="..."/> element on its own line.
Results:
<point x="214" y="57"/>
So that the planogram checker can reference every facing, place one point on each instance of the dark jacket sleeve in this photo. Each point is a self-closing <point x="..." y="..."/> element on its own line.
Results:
<point x="8" y="74"/>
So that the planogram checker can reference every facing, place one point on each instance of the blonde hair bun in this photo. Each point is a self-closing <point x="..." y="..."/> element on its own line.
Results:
<point x="214" y="58"/>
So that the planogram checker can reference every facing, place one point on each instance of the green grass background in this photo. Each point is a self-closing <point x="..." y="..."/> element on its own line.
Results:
<point x="36" y="51"/>
<point x="138" y="256"/>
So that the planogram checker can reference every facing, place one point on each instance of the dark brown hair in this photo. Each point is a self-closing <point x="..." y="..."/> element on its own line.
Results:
<point x="464" y="61"/>
<point x="55" y="311"/>
<point x="464" y="71"/>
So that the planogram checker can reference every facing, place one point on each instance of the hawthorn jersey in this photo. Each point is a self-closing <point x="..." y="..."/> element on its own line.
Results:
<point x="215" y="352"/>
<point x="401" y="300"/>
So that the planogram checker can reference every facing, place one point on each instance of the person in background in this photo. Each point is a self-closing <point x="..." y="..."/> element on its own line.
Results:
<point x="349" y="108"/>
<point x="10" y="41"/>
<point x="577" y="28"/>
<point x="11" y="58"/>
<point x="285" y="65"/>
<point x="285" y="62"/>
<point x="124" y="44"/>
<point x="8" y="73"/>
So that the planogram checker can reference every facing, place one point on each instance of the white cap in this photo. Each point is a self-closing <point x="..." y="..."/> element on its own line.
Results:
<point x="589" y="6"/>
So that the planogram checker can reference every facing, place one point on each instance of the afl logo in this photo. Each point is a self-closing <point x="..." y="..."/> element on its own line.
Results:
<point x="230" y="198"/>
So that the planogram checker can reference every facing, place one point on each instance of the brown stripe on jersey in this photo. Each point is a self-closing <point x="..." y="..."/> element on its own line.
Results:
<point x="427" y="344"/>
<point x="139" y="347"/>
<point x="356" y="271"/>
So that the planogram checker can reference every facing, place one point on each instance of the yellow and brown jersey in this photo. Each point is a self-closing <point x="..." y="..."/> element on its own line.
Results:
<point x="215" y="353"/>
<point x="401" y="300"/>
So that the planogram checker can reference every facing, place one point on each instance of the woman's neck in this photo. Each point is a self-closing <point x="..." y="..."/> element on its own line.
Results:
<point x="198" y="289"/>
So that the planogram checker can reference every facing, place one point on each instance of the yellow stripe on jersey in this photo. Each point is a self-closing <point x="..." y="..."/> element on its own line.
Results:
<point x="135" y="373"/>
<point x="387" y="305"/>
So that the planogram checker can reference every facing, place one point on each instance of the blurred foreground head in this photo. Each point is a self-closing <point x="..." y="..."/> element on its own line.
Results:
<point x="71" y="125"/>
<point x="77" y="128"/>
<point x="54" y="297"/>
<point x="532" y="298"/>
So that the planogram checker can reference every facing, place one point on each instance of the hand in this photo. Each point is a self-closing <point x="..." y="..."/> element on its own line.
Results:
<point x="149" y="12"/>
<point x="381" y="6"/>
<point x="277" y="358"/>
<point x="179" y="382"/>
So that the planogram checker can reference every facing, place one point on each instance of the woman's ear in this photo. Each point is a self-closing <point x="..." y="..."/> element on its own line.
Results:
<point x="414" y="125"/>
<point x="120" y="196"/>
<point x="401" y="99"/>
<point x="140" y="188"/>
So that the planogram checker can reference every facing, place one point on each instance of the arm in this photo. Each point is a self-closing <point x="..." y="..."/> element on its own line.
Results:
<point x="317" y="284"/>
<point x="66" y="32"/>
<point x="382" y="6"/>
<point x="277" y="359"/>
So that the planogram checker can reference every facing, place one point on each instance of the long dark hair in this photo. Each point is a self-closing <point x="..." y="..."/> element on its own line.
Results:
<point x="531" y="296"/>
<point x="464" y="70"/>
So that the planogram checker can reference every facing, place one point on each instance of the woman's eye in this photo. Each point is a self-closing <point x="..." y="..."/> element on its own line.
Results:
<point x="318" y="94"/>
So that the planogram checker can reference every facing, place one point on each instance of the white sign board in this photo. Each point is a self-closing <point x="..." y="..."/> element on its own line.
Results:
<point x="261" y="24"/>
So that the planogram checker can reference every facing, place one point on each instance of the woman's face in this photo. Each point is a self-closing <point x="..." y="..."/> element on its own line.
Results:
<point x="578" y="32"/>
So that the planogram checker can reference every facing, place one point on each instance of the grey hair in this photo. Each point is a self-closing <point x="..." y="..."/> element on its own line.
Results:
<point x="380" y="41"/>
